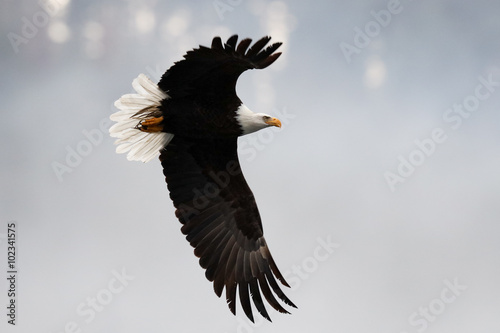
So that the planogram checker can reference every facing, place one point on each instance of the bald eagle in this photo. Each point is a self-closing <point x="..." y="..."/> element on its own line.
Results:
<point x="193" y="119"/>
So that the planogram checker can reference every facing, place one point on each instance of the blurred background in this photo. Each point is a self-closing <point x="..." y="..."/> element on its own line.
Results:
<point x="380" y="196"/>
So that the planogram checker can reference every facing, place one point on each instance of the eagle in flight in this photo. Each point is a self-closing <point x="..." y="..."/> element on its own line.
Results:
<point x="192" y="118"/>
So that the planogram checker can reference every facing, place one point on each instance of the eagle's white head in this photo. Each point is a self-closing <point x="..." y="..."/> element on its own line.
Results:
<point x="251" y="122"/>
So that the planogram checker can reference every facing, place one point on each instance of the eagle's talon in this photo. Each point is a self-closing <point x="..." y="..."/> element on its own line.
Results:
<point x="150" y="125"/>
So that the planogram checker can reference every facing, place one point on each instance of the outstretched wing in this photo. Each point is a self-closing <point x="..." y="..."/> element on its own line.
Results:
<point x="201" y="67"/>
<point x="221" y="221"/>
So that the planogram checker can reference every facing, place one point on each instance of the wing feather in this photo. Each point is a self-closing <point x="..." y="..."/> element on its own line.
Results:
<point x="258" y="46"/>
<point x="222" y="224"/>
<point x="194" y="76"/>
<point x="269" y="295"/>
<point x="257" y="299"/>
<point x="231" y="43"/>
<point x="243" y="46"/>
<point x="231" y="294"/>
<point x="217" y="43"/>
<point x="245" y="299"/>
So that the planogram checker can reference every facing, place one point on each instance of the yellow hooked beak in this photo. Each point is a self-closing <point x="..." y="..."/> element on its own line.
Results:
<point x="274" y="122"/>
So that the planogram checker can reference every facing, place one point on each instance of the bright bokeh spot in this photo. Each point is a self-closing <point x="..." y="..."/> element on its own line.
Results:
<point x="177" y="24"/>
<point x="145" y="20"/>
<point x="279" y="22"/>
<point x="58" y="32"/>
<point x="375" y="73"/>
<point x="93" y="31"/>
<point x="62" y="3"/>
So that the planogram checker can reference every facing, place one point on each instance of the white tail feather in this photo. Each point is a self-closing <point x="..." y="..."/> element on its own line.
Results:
<point x="141" y="146"/>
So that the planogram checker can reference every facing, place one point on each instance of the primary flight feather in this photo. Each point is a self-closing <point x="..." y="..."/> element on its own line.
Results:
<point x="193" y="119"/>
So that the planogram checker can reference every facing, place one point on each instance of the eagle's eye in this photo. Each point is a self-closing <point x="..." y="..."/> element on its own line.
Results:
<point x="266" y="118"/>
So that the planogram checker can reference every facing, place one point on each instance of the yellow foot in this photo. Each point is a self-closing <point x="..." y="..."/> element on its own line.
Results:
<point x="151" y="125"/>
